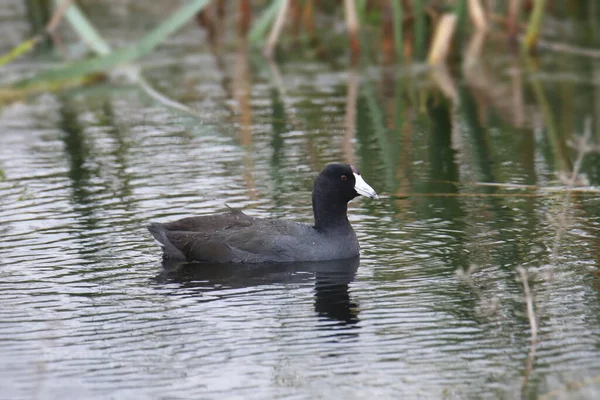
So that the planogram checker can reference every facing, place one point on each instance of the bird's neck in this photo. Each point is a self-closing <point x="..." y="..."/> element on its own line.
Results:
<point x="330" y="216"/>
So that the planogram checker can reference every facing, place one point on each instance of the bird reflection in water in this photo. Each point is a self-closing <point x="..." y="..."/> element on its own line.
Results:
<point x="332" y="279"/>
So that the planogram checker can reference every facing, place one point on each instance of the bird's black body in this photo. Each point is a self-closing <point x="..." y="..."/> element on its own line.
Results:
<point x="234" y="237"/>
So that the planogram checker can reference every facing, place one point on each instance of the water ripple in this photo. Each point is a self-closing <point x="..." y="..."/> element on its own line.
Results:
<point x="88" y="312"/>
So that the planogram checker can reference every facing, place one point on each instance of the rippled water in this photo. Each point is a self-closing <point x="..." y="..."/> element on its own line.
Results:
<point x="88" y="310"/>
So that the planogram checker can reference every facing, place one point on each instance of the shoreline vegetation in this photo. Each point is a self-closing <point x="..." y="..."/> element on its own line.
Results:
<point x="436" y="33"/>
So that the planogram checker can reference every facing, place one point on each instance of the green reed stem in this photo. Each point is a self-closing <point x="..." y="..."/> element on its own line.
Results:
<point x="419" y="28"/>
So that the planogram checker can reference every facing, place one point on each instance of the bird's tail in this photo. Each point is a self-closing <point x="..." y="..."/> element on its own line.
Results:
<point x="159" y="232"/>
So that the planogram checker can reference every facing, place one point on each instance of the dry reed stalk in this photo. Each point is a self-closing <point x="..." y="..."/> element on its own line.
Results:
<point x="442" y="39"/>
<point x="57" y="17"/>
<point x="220" y="11"/>
<point x="276" y="30"/>
<point x="244" y="17"/>
<point x="353" y="28"/>
<point x="446" y="83"/>
<point x="477" y="15"/>
<point x="512" y="23"/>
<point x="387" y="33"/>
<point x="207" y="19"/>
<point x="568" y="49"/>
<point x="159" y="97"/>
<point x="532" y="325"/>
<point x="308" y="17"/>
<point x="473" y="52"/>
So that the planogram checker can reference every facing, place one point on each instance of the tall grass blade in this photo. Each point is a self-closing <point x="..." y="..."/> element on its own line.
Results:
<point x="122" y="56"/>
<point x="19" y="50"/>
<point x="533" y="27"/>
<point x="260" y="28"/>
<point x="460" y="9"/>
<point x="85" y="30"/>
<point x="419" y="28"/>
<point x="90" y="35"/>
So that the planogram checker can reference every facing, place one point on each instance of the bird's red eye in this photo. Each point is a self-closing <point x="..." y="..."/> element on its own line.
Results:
<point x="344" y="177"/>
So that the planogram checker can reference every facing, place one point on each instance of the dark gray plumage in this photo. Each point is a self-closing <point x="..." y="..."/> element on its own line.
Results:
<point x="234" y="237"/>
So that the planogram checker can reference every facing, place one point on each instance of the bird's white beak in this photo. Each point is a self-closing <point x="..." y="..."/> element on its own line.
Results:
<point x="363" y="188"/>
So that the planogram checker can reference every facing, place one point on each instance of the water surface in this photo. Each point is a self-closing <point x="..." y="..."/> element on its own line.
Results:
<point x="88" y="310"/>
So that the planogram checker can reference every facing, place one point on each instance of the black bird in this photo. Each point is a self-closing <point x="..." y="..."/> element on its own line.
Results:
<point x="234" y="237"/>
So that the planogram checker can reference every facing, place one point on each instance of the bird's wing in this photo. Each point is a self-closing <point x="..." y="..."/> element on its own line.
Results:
<point x="260" y="241"/>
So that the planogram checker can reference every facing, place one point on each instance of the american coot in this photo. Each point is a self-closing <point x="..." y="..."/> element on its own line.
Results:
<point x="235" y="237"/>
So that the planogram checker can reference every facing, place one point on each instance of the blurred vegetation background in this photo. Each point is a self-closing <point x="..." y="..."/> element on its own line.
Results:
<point x="388" y="31"/>
<point x="437" y="41"/>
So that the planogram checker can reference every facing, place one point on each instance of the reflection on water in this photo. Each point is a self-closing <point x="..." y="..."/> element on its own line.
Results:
<point x="472" y="182"/>
<point x="331" y="280"/>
